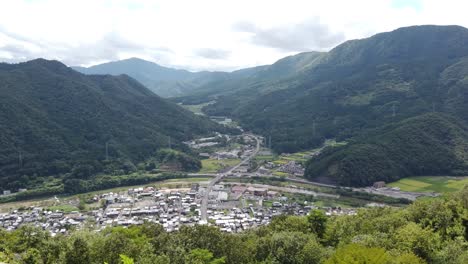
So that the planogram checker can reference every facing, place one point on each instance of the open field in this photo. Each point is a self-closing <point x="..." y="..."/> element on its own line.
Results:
<point x="64" y="208"/>
<point x="63" y="201"/>
<point x="440" y="184"/>
<point x="197" y="109"/>
<point x="213" y="165"/>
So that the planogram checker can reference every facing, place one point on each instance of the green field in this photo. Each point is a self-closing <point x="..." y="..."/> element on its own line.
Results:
<point x="66" y="208"/>
<point x="197" y="109"/>
<point x="213" y="165"/>
<point x="440" y="184"/>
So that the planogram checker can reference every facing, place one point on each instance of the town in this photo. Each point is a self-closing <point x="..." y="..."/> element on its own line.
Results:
<point x="221" y="200"/>
<point x="231" y="207"/>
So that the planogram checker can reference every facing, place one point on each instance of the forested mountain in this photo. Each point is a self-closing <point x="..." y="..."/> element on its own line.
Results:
<point x="430" y="144"/>
<point x="358" y="86"/>
<point x="166" y="82"/>
<point x="245" y="84"/>
<point x="54" y="120"/>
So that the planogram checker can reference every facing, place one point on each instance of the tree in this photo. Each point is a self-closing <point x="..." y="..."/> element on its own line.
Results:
<point x="357" y="254"/>
<point x="413" y="238"/>
<point x="202" y="256"/>
<point x="317" y="222"/>
<point x="78" y="253"/>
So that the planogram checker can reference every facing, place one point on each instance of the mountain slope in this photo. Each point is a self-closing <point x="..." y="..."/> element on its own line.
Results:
<point x="368" y="92"/>
<point x="52" y="119"/>
<point x="242" y="85"/>
<point x="166" y="82"/>
<point x="431" y="144"/>
<point x="359" y="85"/>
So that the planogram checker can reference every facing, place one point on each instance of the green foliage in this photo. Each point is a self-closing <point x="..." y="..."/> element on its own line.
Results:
<point x="428" y="231"/>
<point x="317" y="222"/>
<point x="125" y="259"/>
<point x="78" y="253"/>
<point x="55" y="121"/>
<point x="358" y="88"/>
<point x="176" y="160"/>
<point x="431" y="144"/>
<point x="357" y="254"/>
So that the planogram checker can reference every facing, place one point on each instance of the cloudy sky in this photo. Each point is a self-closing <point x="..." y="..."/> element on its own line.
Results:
<point x="202" y="34"/>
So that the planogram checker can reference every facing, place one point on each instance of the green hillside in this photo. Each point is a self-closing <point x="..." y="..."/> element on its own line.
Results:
<point x="357" y="88"/>
<point x="164" y="81"/>
<point x="361" y="84"/>
<point x="431" y="144"/>
<point x="54" y="120"/>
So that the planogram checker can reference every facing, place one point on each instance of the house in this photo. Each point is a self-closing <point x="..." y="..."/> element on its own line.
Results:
<point x="238" y="189"/>
<point x="222" y="196"/>
<point x="379" y="184"/>
<point x="257" y="191"/>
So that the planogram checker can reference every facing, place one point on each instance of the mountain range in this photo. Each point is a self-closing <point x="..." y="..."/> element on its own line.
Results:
<point x="357" y="88"/>
<point x="399" y="99"/>
<point x="55" y="120"/>
<point x="164" y="81"/>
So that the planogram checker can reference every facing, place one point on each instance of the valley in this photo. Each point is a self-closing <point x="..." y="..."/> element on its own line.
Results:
<point x="357" y="153"/>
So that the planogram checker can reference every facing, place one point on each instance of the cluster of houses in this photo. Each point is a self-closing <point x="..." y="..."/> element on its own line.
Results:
<point x="206" y="142"/>
<point x="293" y="168"/>
<point x="55" y="222"/>
<point x="232" y="208"/>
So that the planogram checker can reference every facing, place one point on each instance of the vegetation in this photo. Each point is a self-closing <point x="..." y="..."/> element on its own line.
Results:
<point x="214" y="165"/>
<point x="163" y="81"/>
<point x="56" y="121"/>
<point x="428" y="231"/>
<point x="438" y="184"/>
<point x="359" y="87"/>
<point x="431" y="144"/>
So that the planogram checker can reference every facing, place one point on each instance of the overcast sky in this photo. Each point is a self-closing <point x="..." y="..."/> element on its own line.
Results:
<point x="202" y="34"/>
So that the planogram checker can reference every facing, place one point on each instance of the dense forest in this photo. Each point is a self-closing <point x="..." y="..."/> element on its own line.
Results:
<point x="362" y="87"/>
<point x="428" y="231"/>
<point x="56" y="121"/>
<point x="431" y="144"/>
<point x="359" y="85"/>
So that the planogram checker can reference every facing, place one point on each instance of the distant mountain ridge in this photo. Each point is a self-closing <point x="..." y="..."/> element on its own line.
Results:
<point x="164" y="81"/>
<point x="55" y="120"/>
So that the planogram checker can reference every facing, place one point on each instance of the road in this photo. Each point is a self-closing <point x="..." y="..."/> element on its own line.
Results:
<point x="288" y="189"/>
<point x="204" y="202"/>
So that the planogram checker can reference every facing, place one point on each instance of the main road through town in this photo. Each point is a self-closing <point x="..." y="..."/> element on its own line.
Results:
<point x="204" y="201"/>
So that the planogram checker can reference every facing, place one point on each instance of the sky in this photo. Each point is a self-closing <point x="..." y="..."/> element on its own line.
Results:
<point x="202" y="34"/>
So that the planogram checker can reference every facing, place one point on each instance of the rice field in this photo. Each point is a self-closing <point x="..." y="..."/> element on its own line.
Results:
<point x="213" y="165"/>
<point x="440" y="184"/>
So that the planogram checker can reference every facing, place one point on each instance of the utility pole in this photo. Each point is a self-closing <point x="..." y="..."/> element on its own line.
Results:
<point x="313" y="128"/>
<point x="107" y="151"/>
<point x="170" y="145"/>
<point x="20" y="158"/>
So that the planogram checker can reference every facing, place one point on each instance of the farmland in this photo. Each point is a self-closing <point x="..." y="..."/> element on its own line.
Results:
<point x="213" y="165"/>
<point x="440" y="184"/>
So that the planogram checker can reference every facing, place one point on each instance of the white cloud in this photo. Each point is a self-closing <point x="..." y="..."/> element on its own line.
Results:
<point x="202" y="35"/>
